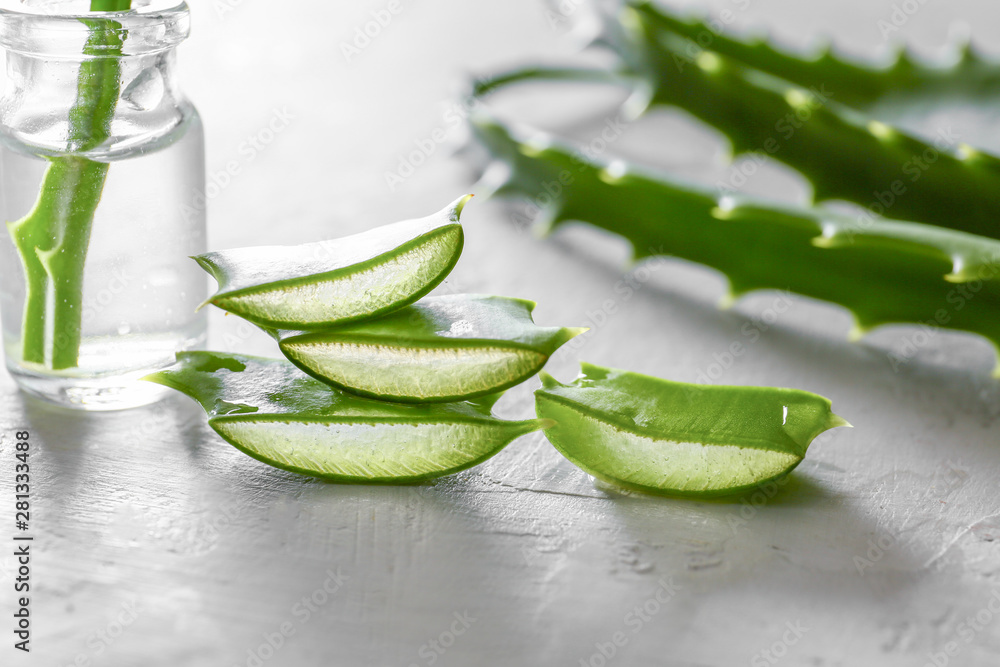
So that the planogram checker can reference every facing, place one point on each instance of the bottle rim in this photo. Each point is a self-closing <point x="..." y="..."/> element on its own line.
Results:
<point x="59" y="29"/>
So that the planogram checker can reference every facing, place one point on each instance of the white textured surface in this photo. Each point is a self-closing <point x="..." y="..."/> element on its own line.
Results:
<point x="217" y="550"/>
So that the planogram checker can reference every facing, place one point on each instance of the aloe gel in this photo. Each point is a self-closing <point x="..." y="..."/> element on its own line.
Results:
<point x="328" y="283"/>
<point x="271" y="411"/>
<point x="672" y="438"/>
<point x="444" y="348"/>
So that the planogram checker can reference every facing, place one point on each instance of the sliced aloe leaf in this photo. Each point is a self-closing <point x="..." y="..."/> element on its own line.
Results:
<point x="444" y="348"/>
<point x="316" y="285"/>
<point x="268" y="409"/>
<point x="672" y="438"/>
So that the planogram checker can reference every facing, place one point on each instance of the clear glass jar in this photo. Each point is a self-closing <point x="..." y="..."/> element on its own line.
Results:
<point x="102" y="171"/>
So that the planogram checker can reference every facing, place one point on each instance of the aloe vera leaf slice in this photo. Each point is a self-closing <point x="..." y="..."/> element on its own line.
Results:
<point x="316" y="285"/>
<point x="884" y="272"/>
<point x="268" y="409"/>
<point x="443" y="348"/>
<point x="672" y="438"/>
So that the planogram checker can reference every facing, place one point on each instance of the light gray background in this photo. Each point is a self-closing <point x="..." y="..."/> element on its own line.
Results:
<point x="149" y="508"/>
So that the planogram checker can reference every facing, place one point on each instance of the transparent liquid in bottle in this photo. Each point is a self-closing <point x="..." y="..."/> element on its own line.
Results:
<point x="140" y="290"/>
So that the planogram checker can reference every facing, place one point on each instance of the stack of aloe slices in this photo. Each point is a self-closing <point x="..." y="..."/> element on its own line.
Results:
<point x="383" y="386"/>
<point x="402" y="388"/>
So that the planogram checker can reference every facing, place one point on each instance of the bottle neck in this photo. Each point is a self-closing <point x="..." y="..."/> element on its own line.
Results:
<point x="94" y="84"/>
<point x="96" y="107"/>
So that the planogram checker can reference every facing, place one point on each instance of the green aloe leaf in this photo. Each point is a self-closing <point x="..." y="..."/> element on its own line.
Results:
<point x="884" y="272"/>
<point x="856" y="84"/>
<point x="110" y="5"/>
<point x="268" y="409"/>
<point x="844" y="153"/>
<point x="445" y="348"/>
<point x="54" y="237"/>
<point x="672" y="438"/>
<point x="317" y="285"/>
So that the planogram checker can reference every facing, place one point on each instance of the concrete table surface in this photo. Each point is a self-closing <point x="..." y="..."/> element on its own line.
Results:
<point x="156" y="543"/>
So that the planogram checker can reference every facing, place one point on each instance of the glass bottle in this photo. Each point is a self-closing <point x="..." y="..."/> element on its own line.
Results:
<point x="102" y="172"/>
